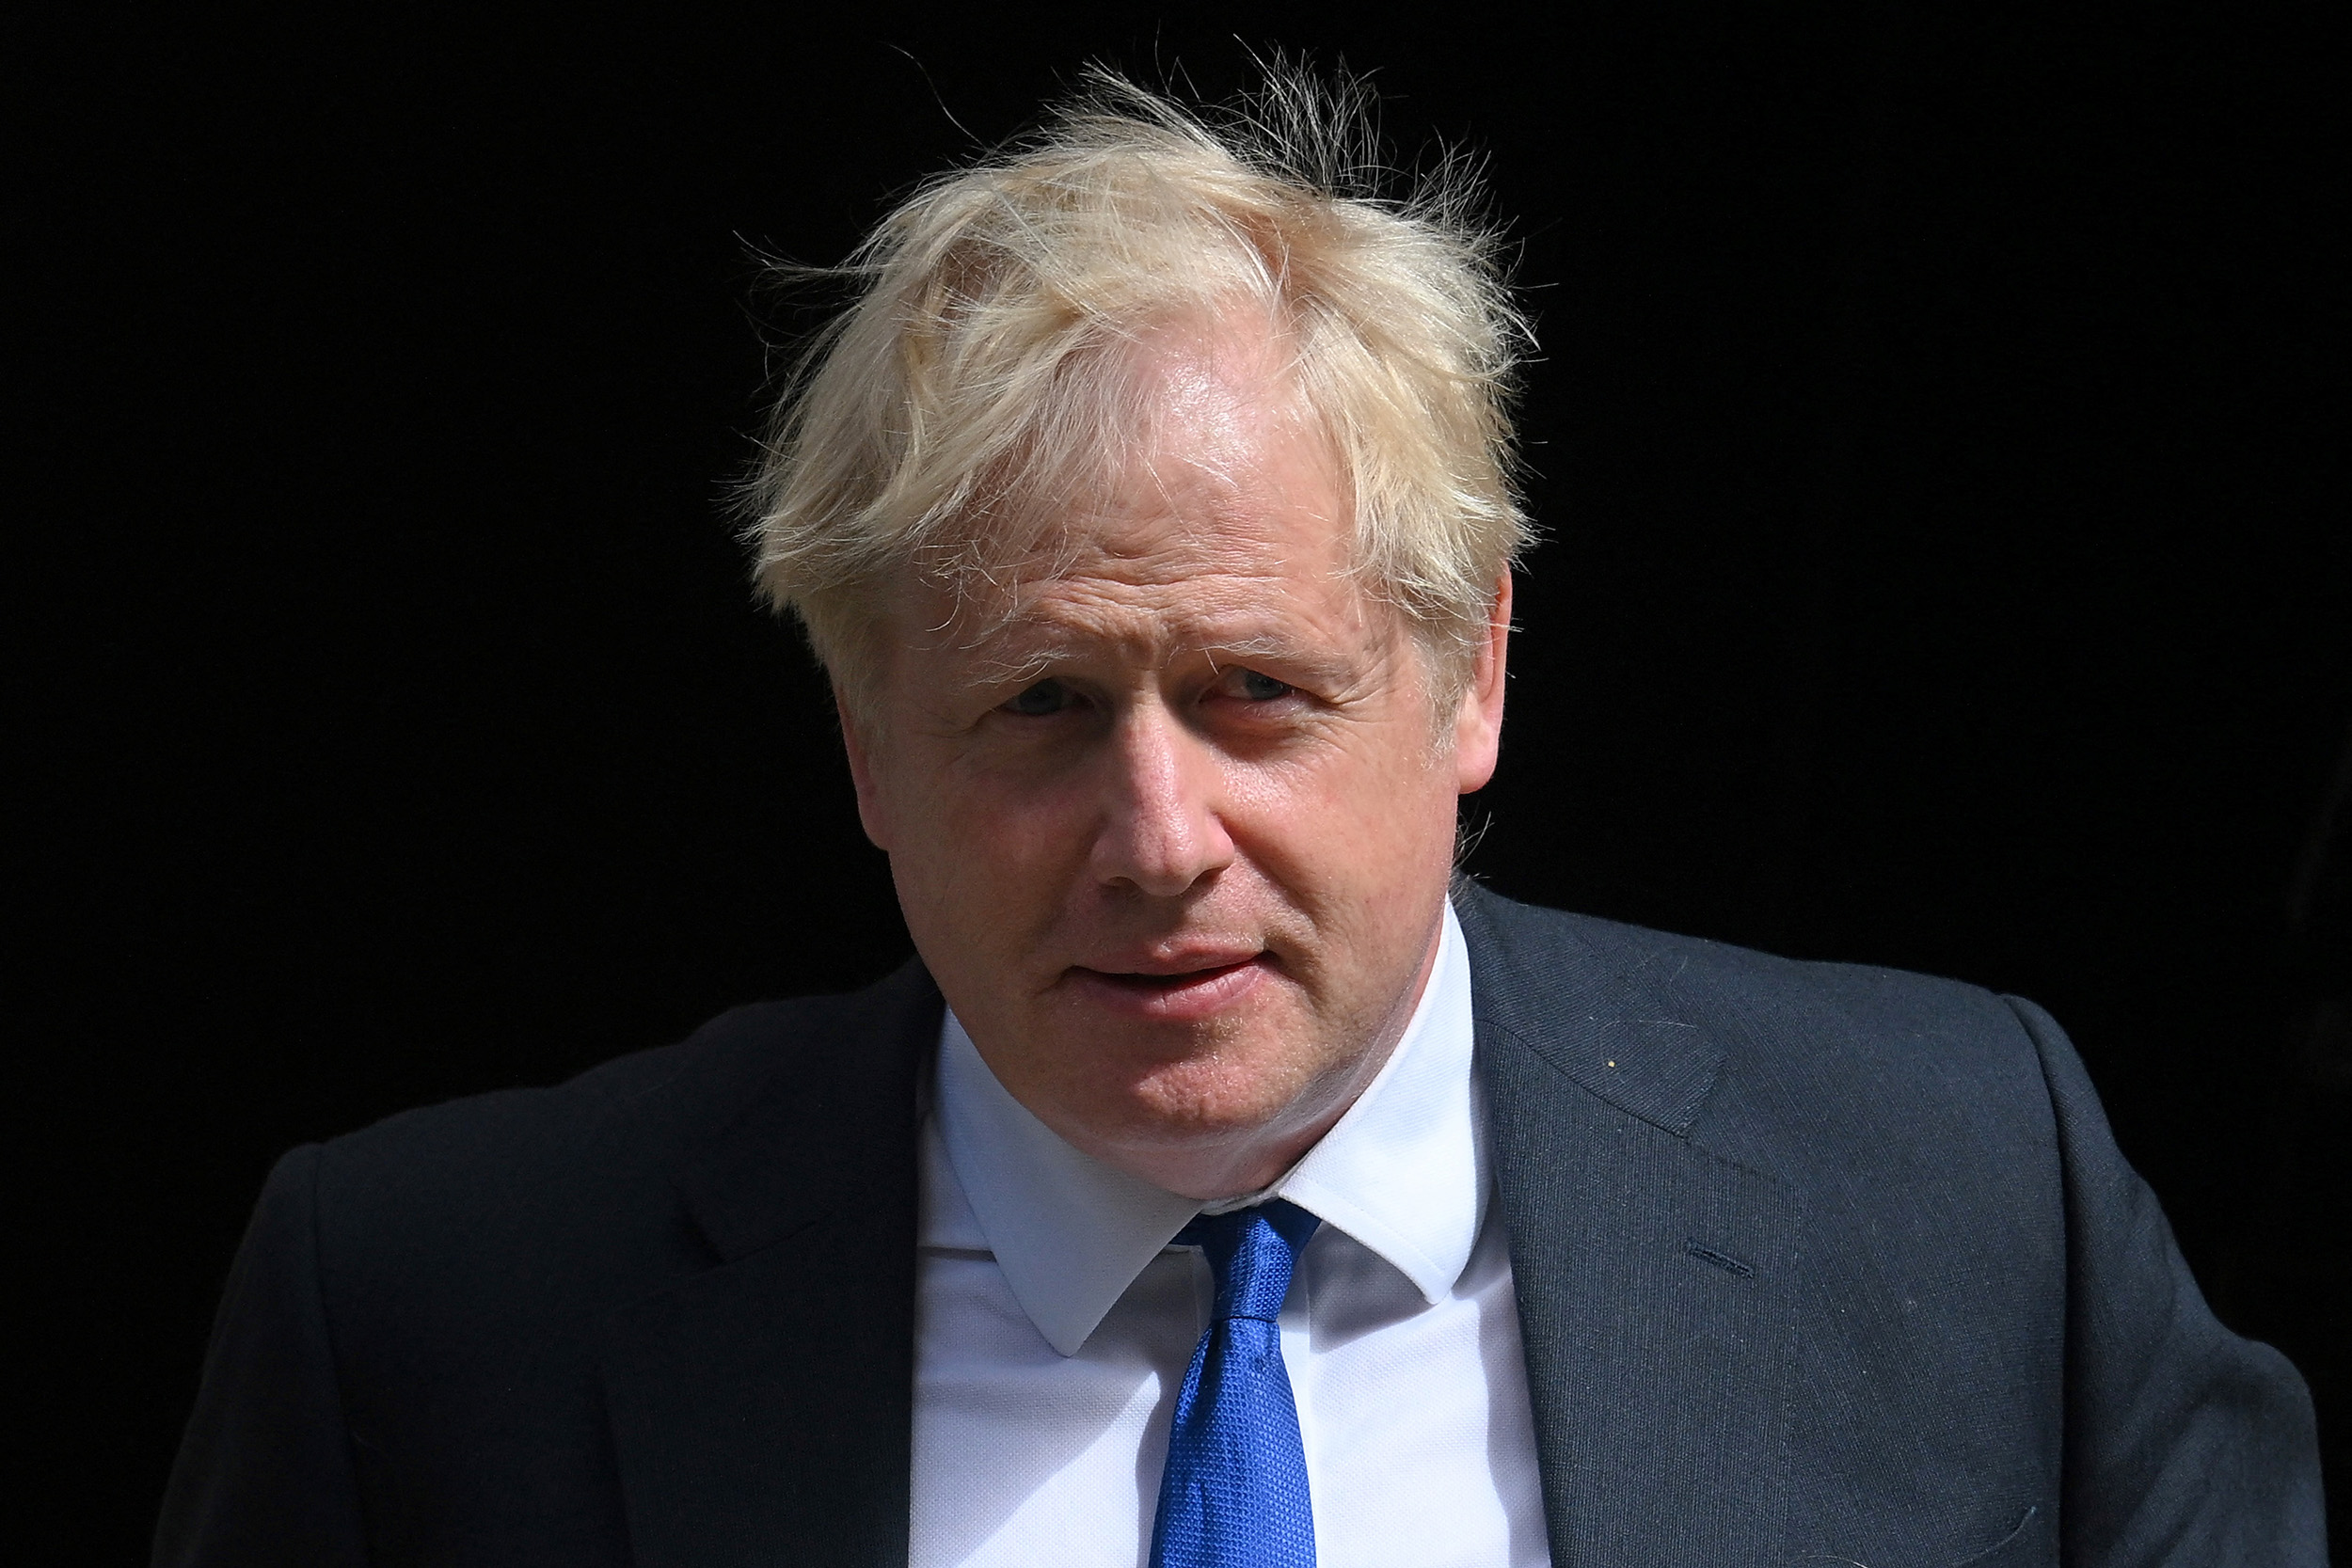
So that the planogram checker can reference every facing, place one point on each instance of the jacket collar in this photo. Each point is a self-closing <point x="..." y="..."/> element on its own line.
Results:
<point x="1656" y="1278"/>
<point x="1612" y="1024"/>
<point x="759" y="1408"/>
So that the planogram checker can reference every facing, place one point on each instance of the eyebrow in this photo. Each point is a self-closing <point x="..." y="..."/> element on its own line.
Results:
<point x="1275" y="646"/>
<point x="1033" y="659"/>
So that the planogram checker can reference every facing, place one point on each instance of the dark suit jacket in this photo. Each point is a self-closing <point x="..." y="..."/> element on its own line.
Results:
<point x="1814" y="1264"/>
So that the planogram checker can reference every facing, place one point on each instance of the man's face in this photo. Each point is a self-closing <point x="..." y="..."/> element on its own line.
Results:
<point x="1174" y="837"/>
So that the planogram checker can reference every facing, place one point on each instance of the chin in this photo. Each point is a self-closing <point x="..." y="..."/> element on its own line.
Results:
<point x="1224" y="1092"/>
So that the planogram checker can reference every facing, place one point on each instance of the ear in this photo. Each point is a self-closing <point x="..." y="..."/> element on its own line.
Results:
<point x="872" y="808"/>
<point x="1478" y="727"/>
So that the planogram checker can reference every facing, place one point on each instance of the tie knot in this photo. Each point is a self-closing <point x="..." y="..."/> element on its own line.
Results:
<point x="1251" y="1253"/>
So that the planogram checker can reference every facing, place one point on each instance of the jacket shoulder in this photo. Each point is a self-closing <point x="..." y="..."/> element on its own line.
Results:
<point x="1544" y="961"/>
<point x="1791" y="1064"/>
<point x="526" y="1168"/>
<point x="658" y="1098"/>
<point x="1543" y="944"/>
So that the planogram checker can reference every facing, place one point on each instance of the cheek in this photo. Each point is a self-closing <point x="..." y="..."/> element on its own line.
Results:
<point x="1349" y="828"/>
<point x="986" y="855"/>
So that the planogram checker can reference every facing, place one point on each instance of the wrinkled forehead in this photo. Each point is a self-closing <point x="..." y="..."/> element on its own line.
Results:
<point x="1147" y="588"/>
<point x="1191" y="482"/>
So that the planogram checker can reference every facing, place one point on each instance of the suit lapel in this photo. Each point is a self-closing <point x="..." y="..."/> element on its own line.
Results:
<point x="1655" y="1277"/>
<point x="760" y="1410"/>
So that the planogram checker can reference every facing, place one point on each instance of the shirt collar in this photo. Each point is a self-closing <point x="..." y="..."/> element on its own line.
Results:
<point x="1403" y="1172"/>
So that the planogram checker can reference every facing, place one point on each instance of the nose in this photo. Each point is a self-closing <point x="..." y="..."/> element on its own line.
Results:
<point x="1162" y="831"/>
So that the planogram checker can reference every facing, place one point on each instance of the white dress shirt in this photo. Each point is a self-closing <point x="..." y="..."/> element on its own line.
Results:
<point x="1054" y="1322"/>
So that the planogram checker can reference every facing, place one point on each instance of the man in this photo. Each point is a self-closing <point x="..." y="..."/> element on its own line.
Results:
<point x="1223" y="1185"/>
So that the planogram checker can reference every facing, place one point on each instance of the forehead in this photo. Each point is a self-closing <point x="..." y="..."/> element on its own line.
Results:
<point x="1216" y="517"/>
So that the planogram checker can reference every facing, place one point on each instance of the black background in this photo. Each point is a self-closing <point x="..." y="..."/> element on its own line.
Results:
<point x="1938" y="437"/>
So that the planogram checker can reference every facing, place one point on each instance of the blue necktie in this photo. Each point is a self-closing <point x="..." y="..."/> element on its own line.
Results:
<point x="1234" y="1492"/>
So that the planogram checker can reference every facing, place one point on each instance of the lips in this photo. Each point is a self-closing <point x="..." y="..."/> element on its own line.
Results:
<point x="1172" y="990"/>
<point x="1148" y="981"/>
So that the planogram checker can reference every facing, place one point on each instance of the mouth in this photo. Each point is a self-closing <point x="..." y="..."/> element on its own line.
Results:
<point x="1172" y="995"/>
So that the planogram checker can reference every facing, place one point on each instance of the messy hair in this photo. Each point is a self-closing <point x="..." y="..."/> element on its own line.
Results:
<point x="977" y="377"/>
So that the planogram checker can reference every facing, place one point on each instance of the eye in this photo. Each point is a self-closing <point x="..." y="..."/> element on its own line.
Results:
<point x="1252" y="686"/>
<point x="1041" y="701"/>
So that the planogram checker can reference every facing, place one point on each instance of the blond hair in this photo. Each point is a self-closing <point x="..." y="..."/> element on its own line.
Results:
<point x="931" y="424"/>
